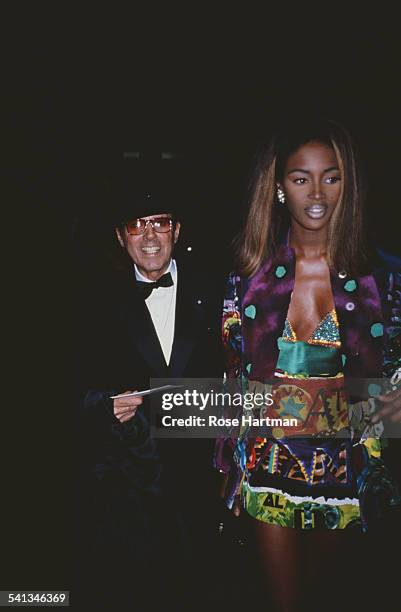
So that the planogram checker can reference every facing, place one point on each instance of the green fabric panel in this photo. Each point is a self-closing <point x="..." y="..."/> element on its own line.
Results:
<point x="309" y="359"/>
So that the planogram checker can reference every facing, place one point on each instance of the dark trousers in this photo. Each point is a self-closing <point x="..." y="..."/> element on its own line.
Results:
<point x="137" y="551"/>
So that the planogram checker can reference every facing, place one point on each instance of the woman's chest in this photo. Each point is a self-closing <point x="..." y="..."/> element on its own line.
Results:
<point x="311" y="300"/>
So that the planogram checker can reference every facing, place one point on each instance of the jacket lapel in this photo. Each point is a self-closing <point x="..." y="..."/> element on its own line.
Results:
<point x="142" y="333"/>
<point x="360" y="317"/>
<point x="187" y="317"/>
<point x="265" y="306"/>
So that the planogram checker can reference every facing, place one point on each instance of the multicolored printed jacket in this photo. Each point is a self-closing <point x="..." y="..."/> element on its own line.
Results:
<point x="369" y="314"/>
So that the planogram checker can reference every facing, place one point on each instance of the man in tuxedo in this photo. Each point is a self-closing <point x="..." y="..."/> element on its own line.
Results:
<point x="148" y="514"/>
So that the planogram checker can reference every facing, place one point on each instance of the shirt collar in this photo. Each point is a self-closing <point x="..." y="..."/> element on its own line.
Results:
<point x="172" y="268"/>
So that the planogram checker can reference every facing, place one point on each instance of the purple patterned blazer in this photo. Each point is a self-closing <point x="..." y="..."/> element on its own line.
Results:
<point x="368" y="310"/>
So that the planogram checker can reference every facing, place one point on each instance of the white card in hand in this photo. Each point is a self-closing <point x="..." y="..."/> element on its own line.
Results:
<point x="146" y="392"/>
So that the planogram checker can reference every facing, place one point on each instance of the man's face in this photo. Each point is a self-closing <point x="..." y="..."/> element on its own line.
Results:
<point x="150" y="251"/>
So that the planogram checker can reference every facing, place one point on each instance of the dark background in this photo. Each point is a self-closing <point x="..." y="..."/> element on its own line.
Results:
<point x="207" y="85"/>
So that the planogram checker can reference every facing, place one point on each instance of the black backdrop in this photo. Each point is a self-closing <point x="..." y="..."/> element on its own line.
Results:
<point x="207" y="85"/>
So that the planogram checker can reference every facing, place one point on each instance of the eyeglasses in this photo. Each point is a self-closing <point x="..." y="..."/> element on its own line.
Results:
<point x="161" y="225"/>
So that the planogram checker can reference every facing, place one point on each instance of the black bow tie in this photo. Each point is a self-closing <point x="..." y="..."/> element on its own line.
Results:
<point x="145" y="289"/>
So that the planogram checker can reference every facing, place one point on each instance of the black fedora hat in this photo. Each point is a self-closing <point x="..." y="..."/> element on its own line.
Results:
<point x="141" y="190"/>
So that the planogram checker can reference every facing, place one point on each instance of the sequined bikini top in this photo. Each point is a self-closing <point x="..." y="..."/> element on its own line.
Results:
<point x="326" y="333"/>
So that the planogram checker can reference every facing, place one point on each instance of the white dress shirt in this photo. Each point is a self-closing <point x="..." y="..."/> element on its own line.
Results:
<point x="161" y="305"/>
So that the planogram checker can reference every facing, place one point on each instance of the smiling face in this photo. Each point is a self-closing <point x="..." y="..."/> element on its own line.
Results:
<point x="312" y="185"/>
<point x="150" y="251"/>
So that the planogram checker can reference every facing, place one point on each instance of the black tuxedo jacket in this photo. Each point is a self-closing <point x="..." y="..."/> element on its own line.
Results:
<point x="122" y="352"/>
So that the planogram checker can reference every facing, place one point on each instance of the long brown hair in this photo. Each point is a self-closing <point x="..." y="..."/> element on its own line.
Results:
<point x="267" y="219"/>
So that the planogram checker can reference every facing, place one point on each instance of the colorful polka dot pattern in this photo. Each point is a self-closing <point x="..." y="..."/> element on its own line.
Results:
<point x="350" y="286"/>
<point x="250" y="311"/>
<point x="377" y="330"/>
<point x="374" y="389"/>
<point x="280" y="271"/>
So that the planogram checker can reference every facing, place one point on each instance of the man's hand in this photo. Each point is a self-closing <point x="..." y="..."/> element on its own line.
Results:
<point x="125" y="408"/>
<point x="390" y="407"/>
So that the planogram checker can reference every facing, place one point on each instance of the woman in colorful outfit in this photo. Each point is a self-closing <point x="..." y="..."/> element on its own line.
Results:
<point x="308" y="311"/>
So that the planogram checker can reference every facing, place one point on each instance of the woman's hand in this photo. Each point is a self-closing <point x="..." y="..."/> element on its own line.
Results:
<point x="237" y="501"/>
<point x="237" y="505"/>
<point x="390" y="408"/>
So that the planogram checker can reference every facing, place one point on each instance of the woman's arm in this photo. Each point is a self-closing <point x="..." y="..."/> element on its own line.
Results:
<point x="390" y="407"/>
<point x="225" y="456"/>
